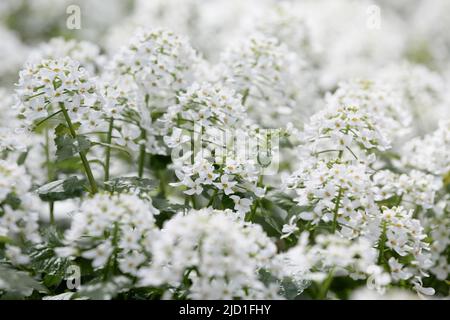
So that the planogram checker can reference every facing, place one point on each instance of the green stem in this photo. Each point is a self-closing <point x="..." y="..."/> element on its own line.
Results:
<point x="49" y="174"/>
<point x="47" y="118"/>
<point x="142" y="155"/>
<point x="194" y="202"/>
<point x="211" y="200"/>
<point x="381" y="243"/>
<point x="252" y="212"/>
<point x="52" y="212"/>
<point x="326" y="285"/>
<point x="336" y="209"/>
<point x="108" y="149"/>
<point x="111" y="265"/>
<point x="162" y="182"/>
<point x="245" y="96"/>
<point x="87" y="167"/>
<point x="400" y="199"/>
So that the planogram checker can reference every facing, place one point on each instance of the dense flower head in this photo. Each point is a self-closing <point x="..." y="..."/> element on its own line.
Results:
<point x="221" y="159"/>
<point x="160" y="62"/>
<point x="18" y="211"/>
<point x="423" y="94"/>
<point x="219" y="255"/>
<point x="383" y="103"/>
<point x="347" y="130"/>
<point x="341" y="192"/>
<point x="332" y="254"/>
<point x="111" y="227"/>
<point x="12" y="137"/>
<point x="87" y="53"/>
<point x="405" y="236"/>
<point x="439" y="230"/>
<point x="45" y="85"/>
<point x="13" y="180"/>
<point x="20" y="223"/>
<point x="288" y="22"/>
<point x="206" y="105"/>
<point x="265" y="72"/>
<point x="431" y="152"/>
<point x="415" y="188"/>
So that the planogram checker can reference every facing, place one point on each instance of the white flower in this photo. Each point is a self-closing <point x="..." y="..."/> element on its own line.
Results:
<point x="131" y="262"/>
<point x="225" y="184"/>
<point x="397" y="270"/>
<point x="290" y="228"/>
<point x="99" y="255"/>
<point x="15" y="255"/>
<point x="13" y="179"/>
<point x="241" y="205"/>
<point x="176" y="139"/>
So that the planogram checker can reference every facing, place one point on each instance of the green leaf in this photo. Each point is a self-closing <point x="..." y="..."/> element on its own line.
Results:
<point x="131" y="184"/>
<point x="61" y="189"/>
<point x="166" y="209"/>
<point x="67" y="146"/>
<point x="282" y="200"/>
<point x="23" y="156"/>
<point x="69" y="165"/>
<point x="61" y="296"/>
<point x="18" y="284"/>
<point x="44" y="260"/>
<point x="4" y="239"/>
<point x="12" y="200"/>
<point x="160" y="162"/>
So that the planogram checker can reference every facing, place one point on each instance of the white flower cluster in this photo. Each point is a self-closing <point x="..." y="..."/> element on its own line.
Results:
<point x="377" y="99"/>
<point x="220" y="158"/>
<point x="346" y="129"/>
<point x="145" y="76"/>
<point x="431" y="152"/>
<point x="423" y="94"/>
<point x="405" y="236"/>
<point x="11" y="137"/>
<point x="113" y="231"/>
<point x="87" y="53"/>
<point x="415" y="188"/>
<point x="334" y="177"/>
<point x="265" y="72"/>
<point x="44" y="88"/>
<point x="18" y="211"/>
<point x="14" y="180"/>
<point x="288" y="22"/>
<point x="160" y="62"/>
<point x="338" y="193"/>
<point x="440" y="233"/>
<point x="333" y="255"/>
<point x="218" y="255"/>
